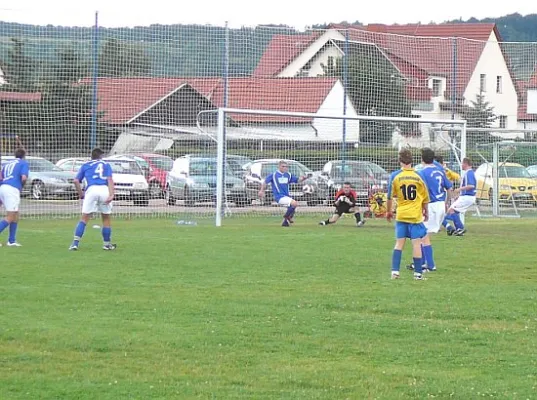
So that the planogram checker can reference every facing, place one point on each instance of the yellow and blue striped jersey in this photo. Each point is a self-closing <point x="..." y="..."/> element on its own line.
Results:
<point x="411" y="193"/>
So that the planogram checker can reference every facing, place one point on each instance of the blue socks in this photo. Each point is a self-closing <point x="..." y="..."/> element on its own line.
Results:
<point x="290" y="212"/>
<point x="396" y="260"/>
<point x="107" y="232"/>
<point x="13" y="232"/>
<point x="457" y="220"/>
<point x="3" y="225"/>
<point x="417" y="265"/>
<point x="427" y="252"/>
<point x="79" y="232"/>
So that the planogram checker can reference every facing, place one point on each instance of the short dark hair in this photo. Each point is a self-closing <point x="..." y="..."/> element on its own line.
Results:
<point x="439" y="159"/>
<point x="427" y="155"/>
<point x="347" y="183"/>
<point x="405" y="156"/>
<point x="20" y="153"/>
<point x="467" y="161"/>
<point x="96" y="154"/>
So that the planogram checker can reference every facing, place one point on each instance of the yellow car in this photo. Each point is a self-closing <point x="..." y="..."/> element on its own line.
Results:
<point x="516" y="184"/>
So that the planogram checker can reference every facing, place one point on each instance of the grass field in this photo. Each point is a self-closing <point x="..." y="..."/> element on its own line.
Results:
<point x="260" y="312"/>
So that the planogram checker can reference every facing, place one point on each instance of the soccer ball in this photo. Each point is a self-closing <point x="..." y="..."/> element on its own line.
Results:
<point x="308" y="189"/>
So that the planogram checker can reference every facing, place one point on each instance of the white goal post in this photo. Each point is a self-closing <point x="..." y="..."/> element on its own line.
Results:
<point x="222" y="113"/>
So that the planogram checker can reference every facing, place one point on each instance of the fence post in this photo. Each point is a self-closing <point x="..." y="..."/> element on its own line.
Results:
<point x="453" y="134"/>
<point x="225" y="104"/>
<point x="95" y="103"/>
<point x="345" y="85"/>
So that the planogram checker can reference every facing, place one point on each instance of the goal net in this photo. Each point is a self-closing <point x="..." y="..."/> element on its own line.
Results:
<point x="328" y="149"/>
<point x="506" y="172"/>
<point x="149" y="96"/>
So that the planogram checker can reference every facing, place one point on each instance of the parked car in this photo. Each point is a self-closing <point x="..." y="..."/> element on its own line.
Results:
<point x="193" y="179"/>
<point x="238" y="164"/>
<point x="364" y="176"/>
<point x="155" y="168"/>
<point x="314" y="190"/>
<point x="532" y="170"/>
<point x="72" y="164"/>
<point x="46" y="180"/>
<point x="515" y="182"/>
<point x="129" y="180"/>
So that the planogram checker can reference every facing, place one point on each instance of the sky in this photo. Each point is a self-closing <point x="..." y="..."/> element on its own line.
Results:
<point x="295" y="13"/>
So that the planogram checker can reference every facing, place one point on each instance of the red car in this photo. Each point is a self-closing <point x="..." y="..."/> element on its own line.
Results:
<point x="156" y="168"/>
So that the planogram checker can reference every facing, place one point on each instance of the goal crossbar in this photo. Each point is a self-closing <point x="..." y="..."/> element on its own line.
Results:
<point x="221" y="128"/>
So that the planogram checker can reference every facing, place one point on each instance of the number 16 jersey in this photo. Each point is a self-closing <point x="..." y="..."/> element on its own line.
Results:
<point x="411" y="193"/>
<point x="95" y="172"/>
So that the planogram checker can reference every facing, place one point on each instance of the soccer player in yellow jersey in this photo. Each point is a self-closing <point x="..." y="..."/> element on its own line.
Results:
<point x="412" y="198"/>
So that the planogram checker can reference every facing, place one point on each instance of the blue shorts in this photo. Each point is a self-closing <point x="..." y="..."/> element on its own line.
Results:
<point x="408" y="230"/>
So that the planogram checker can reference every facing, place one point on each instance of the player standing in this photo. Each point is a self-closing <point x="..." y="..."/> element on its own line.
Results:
<point x="466" y="198"/>
<point x="438" y="186"/>
<point x="412" y="198"/>
<point x="280" y="181"/>
<point x="98" y="197"/>
<point x="452" y="177"/>
<point x="345" y="203"/>
<point x="14" y="175"/>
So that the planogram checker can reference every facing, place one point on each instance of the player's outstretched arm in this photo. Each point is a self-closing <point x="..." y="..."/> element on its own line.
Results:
<point x="261" y="193"/>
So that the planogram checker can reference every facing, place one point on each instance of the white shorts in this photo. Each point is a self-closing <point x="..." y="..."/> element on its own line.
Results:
<point x="10" y="197"/>
<point x="94" y="200"/>
<point x="463" y="203"/>
<point x="285" y="201"/>
<point x="437" y="212"/>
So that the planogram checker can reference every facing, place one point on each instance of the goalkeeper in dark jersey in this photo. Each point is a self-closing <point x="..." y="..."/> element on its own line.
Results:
<point x="345" y="203"/>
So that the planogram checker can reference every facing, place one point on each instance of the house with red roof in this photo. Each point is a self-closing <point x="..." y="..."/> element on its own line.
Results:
<point x="527" y="107"/>
<point x="443" y="66"/>
<point x="182" y="104"/>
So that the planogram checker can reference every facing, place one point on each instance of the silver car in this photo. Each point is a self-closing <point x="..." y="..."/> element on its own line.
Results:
<point x="46" y="179"/>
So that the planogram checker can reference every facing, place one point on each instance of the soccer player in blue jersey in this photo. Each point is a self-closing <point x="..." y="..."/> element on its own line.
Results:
<point x="412" y="198"/>
<point x="14" y="174"/>
<point x="466" y="197"/>
<point x="98" y="197"/>
<point x="438" y="186"/>
<point x="280" y="181"/>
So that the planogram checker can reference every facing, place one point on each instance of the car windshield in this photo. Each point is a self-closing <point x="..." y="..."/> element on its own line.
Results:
<point x="351" y="169"/>
<point x="164" y="163"/>
<point x="206" y="168"/>
<point x="125" y="167"/>
<point x="41" y="165"/>
<point x="513" y="172"/>
<point x="377" y="170"/>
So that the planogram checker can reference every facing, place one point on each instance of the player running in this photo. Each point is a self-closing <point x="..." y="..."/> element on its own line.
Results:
<point x="412" y="199"/>
<point x="465" y="200"/>
<point x="345" y="203"/>
<point x="280" y="181"/>
<point x="98" y="197"/>
<point x="14" y="174"/>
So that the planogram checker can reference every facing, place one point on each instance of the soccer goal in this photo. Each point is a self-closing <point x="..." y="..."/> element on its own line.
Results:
<point x="329" y="149"/>
<point x="506" y="172"/>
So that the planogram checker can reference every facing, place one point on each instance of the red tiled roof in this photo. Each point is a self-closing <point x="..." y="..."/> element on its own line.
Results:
<point x="281" y="50"/>
<point x="122" y="99"/>
<point x="20" y="97"/>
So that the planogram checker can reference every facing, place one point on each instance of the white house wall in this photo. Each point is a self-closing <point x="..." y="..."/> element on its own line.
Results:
<point x="321" y="59"/>
<point x="296" y="65"/>
<point x="332" y="129"/>
<point x="492" y="63"/>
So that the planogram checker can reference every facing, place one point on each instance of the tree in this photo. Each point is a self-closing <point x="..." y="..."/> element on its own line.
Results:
<point x="19" y="67"/>
<point x="480" y="114"/>
<point x="375" y="88"/>
<point x="119" y="59"/>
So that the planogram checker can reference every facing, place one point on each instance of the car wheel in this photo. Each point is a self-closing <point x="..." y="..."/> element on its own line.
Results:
<point x="155" y="191"/>
<point x="142" y="201"/>
<point x="170" y="200"/>
<point x="37" y="190"/>
<point x="241" y="202"/>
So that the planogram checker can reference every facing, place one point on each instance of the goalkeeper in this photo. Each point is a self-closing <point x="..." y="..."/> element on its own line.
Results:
<point x="345" y="203"/>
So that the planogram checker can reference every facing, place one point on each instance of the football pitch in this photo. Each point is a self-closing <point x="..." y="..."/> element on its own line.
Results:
<point x="252" y="310"/>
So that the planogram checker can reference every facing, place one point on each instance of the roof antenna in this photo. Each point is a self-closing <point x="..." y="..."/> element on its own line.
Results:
<point x="416" y="29"/>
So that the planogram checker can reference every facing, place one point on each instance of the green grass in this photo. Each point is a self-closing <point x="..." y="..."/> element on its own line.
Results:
<point x="256" y="311"/>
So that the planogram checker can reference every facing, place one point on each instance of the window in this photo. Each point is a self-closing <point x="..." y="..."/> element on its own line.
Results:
<point x="503" y="121"/>
<point x="499" y="84"/>
<point x="437" y="87"/>
<point x="483" y="83"/>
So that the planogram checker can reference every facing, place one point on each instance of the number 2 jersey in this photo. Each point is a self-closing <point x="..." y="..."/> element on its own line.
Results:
<point x="411" y="193"/>
<point x="95" y="172"/>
